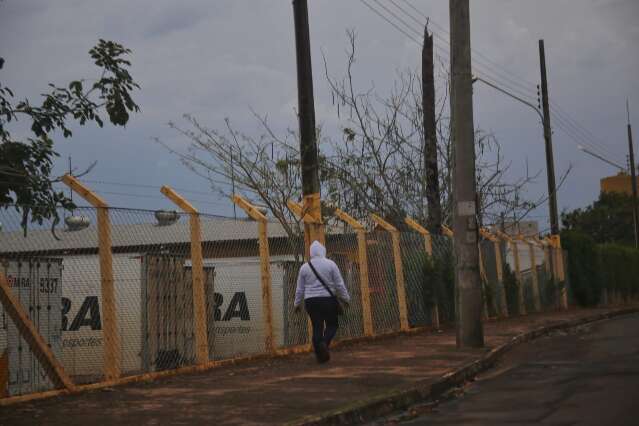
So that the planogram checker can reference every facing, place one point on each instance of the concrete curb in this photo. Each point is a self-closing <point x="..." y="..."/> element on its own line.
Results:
<point x="401" y="399"/>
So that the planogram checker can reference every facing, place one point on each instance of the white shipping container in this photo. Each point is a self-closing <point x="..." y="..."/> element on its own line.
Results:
<point x="36" y="284"/>
<point x="239" y="328"/>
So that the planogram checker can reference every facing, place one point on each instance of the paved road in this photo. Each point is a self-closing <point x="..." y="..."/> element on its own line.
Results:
<point x="589" y="376"/>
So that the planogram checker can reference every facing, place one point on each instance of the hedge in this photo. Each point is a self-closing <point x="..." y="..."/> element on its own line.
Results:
<point x="593" y="268"/>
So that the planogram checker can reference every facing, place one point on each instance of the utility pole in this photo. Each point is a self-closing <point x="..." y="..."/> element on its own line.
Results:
<point x="469" y="304"/>
<point x="434" y="221"/>
<point x="306" y="111"/>
<point x="550" y="162"/>
<point x="633" y="176"/>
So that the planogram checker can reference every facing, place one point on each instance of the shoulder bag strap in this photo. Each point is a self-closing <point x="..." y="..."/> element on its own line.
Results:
<point x="320" y="279"/>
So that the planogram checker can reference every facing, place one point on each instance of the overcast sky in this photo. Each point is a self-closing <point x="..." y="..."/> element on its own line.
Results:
<point x="217" y="59"/>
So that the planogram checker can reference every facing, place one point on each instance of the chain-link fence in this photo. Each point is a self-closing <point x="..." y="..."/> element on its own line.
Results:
<point x="119" y="292"/>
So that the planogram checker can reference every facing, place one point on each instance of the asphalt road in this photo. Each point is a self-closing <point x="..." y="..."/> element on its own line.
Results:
<point x="586" y="376"/>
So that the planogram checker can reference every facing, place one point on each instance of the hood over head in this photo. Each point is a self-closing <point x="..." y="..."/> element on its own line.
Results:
<point x="317" y="249"/>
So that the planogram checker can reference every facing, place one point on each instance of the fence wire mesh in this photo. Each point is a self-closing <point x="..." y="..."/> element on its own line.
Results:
<point x="57" y="274"/>
<point x="293" y="329"/>
<point x="382" y="282"/>
<point x="343" y="249"/>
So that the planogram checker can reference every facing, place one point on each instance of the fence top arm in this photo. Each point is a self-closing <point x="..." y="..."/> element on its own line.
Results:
<point x="503" y="236"/>
<point x="249" y="208"/>
<point x="416" y="226"/>
<point x="487" y="235"/>
<point x="91" y="197"/>
<point x="381" y="222"/>
<point x="542" y="243"/>
<point x="447" y="231"/>
<point x="551" y="242"/>
<point x="298" y="210"/>
<point x="345" y="217"/>
<point x="180" y="201"/>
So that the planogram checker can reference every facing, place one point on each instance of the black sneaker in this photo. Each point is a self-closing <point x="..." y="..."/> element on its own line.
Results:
<point x="322" y="354"/>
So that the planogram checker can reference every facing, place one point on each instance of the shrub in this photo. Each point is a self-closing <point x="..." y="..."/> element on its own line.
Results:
<point x="583" y="271"/>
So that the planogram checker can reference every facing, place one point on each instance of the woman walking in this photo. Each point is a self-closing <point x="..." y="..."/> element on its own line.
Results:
<point x="319" y="285"/>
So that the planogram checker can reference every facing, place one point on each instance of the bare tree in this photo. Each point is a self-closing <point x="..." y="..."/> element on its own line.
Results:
<point x="375" y="164"/>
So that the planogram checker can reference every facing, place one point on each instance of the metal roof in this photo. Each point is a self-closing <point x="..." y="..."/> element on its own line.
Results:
<point x="139" y="234"/>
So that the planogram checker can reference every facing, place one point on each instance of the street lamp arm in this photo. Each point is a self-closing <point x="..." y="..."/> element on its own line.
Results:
<point x="612" y="163"/>
<point x="510" y="95"/>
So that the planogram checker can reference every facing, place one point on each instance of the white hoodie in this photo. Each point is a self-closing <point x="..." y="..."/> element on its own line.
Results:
<point x="309" y="286"/>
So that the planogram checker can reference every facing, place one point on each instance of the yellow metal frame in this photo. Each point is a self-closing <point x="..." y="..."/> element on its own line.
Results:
<point x="110" y="328"/>
<point x="533" y="270"/>
<point x="499" y="267"/>
<point x="265" y="269"/>
<point x="428" y="246"/>
<point x="197" y="273"/>
<point x="363" y="268"/>
<point x="399" y="270"/>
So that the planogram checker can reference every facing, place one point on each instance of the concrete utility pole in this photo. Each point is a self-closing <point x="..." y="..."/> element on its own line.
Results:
<point x="434" y="221"/>
<point x="633" y="175"/>
<point x="550" y="162"/>
<point x="308" y="142"/>
<point x="470" y="331"/>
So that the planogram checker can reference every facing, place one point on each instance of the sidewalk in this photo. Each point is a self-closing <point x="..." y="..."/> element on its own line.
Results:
<point x="280" y="390"/>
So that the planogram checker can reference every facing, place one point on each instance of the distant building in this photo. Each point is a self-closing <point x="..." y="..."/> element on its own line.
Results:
<point x="621" y="183"/>
<point x="525" y="227"/>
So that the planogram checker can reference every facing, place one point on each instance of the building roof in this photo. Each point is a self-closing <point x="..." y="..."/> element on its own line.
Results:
<point x="139" y="234"/>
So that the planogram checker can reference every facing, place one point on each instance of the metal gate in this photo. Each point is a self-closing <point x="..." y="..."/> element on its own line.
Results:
<point x="167" y="312"/>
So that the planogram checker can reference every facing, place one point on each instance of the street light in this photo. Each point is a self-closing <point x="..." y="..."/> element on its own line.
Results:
<point x="612" y="163"/>
<point x="511" y="95"/>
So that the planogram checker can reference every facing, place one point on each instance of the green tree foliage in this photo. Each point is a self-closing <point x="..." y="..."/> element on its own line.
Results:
<point x="607" y="220"/>
<point x="594" y="267"/>
<point x="583" y="267"/>
<point x="25" y="165"/>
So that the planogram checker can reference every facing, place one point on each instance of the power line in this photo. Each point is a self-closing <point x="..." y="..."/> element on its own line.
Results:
<point x="579" y="129"/>
<point x="485" y="60"/>
<point x="154" y="197"/>
<point x="578" y="133"/>
<point x="404" y="27"/>
<point x="139" y="185"/>
<point x="381" y="15"/>
<point x="561" y="124"/>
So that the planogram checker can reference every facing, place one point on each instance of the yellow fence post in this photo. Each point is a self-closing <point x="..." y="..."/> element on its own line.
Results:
<point x="428" y="246"/>
<point x="447" y="231"/>
<point x="313" y="226"/>
<point x="499" y="269"/>
<point x="265" y="270"/>
<point x="500" y="277"/>
<point x="314" y="229"/>
<point x="561" y="272"/>
<point x="39" y="347"/>
<point x="399" y="270"/>
<point x="535" y="277"/>
<point x="367" y="316"/>
<point x="110" y="320"/>
<point x="197" y="272"/>
<point x="484" y="278"/>
<point x="520" y="282"/>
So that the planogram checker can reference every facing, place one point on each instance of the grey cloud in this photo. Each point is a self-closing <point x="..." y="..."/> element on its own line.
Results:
<point x="216" y="58"/>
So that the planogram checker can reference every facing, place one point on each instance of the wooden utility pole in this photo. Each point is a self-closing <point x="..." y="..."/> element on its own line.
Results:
<point x="633" y="175"/>
<point x="430" y="136"/>
<point x="550" y="162"/>
<point x="468" y="283"/>
<point x="306" y="111"/>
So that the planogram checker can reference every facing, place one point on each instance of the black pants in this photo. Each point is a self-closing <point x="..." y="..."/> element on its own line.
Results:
<point x="323" y="314"/>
